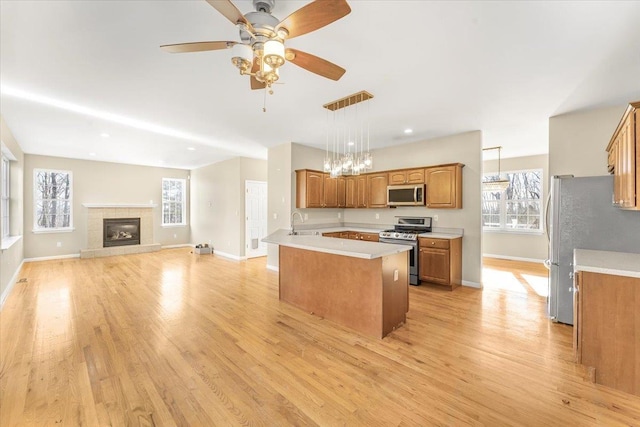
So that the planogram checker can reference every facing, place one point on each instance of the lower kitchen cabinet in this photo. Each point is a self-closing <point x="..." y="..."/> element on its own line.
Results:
<point x="368" y="237"/>
<point x="441" y="261"/>
<point x="607" y="329"/>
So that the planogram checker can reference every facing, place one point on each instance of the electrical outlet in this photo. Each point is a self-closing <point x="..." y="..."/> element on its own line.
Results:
<point x="306" y="217"/>
<point x="275" y="215"/>
<point x="175" y="236"/>
<point x="435" y="218"/>
<point x="377" y="216"/>
<point x="59" y="244"/>
<point x="339" y="215"/>
<point x="395" y="275"/>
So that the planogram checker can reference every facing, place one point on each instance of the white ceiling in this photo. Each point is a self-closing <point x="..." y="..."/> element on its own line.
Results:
<point x="71" y="70"/>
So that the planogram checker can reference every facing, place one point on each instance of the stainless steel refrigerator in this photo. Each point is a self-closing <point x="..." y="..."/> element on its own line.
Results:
<point x="580" y="215"/>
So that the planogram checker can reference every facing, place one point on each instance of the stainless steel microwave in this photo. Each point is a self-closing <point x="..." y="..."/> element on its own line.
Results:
<point x="405" y="195"/>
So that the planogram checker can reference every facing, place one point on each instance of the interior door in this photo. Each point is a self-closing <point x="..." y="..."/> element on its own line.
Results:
<point x="256" y="218"/>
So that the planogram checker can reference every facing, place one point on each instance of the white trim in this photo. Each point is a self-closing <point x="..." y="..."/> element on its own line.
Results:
<point x="173" y="225"/>
<point x="472" y="284"/>
<point x="120" y="205"/>
<point x="48" y="258"/>
<point x="181" y="245"/>
<point x="53" y="230"/>
<point x="12" y="283"/>
<point x="231" y="256"/>
<point x="520" y="231"/>
<point x="273" y="268"/>
<point x="513" y="258"/>
<point x="7" y="242"/>
<point x="183" y="203"/>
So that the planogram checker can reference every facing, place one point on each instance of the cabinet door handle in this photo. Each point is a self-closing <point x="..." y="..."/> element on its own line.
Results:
<point x="433" y="243"/>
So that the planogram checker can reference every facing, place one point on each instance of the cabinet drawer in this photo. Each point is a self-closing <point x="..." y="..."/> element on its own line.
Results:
<point x="426" y="242"/>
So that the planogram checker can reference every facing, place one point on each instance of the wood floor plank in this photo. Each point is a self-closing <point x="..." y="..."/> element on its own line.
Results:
<point x="173" y="339"/>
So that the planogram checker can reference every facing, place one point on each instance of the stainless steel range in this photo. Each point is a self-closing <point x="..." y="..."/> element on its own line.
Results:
<point x="405" y="232"/>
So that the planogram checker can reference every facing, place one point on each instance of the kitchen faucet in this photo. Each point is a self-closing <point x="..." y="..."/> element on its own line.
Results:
<point x="293" y="214"/>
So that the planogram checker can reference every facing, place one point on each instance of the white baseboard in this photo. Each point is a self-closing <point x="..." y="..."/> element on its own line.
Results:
<point x="513" y="258"/>
<point x="48" y="258"/>
<point x="181" y="245"/>
<point x="471" y="284"/>
<point x="273" y="267"/>
<point x="12" y="282"/>
<point x="231" y="256"/>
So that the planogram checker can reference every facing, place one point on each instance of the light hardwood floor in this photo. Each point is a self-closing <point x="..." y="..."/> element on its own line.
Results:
<point x="171" y="338"/>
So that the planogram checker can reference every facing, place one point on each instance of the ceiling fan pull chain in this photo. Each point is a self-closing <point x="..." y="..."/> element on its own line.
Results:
<point x="264" y="101"/>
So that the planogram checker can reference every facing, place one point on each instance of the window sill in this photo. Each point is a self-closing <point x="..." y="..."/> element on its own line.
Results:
<point x="173" y="225"/>
<point x="7" y="242"/>
<point x="53" y="230"/>
<point x="521" y="232"/>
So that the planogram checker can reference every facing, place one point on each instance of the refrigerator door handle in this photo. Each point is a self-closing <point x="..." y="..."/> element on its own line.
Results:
<point x="546" y="217"/>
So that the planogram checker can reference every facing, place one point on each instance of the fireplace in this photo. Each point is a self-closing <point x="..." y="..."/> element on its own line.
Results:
<point x="120" y="232"/>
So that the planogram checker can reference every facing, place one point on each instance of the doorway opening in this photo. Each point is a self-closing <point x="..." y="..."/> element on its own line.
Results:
<point x="255" y="218"/>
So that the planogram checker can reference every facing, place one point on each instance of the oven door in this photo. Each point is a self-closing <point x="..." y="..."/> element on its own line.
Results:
<point x="414" y="255"/>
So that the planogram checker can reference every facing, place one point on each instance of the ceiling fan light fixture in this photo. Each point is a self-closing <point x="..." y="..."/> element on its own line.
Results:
<point x="273" y="53"/>
<point x="242" y="57"/>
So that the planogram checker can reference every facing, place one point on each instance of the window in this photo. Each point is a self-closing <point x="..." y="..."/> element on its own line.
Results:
<point x="173" y="201"/>
<point x="519" y="207"/>
<point x="53" y="200"/>
<point x="5" y="197"/>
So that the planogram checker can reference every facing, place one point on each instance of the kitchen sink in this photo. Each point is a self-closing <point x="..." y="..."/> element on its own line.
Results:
<point x="304" y="233"/>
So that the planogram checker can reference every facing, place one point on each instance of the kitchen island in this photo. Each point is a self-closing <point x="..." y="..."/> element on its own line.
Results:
<point x="607" y="317"/>
<point x="358" y="284"/>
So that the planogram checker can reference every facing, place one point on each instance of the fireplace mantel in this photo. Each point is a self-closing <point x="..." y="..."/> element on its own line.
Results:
<point x="119" y="205"/>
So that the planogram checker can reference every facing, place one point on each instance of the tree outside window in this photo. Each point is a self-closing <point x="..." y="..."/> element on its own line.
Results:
<point x="53" y="199"/>
<point x="173" y="201"/>
<point x="519" y="207"/>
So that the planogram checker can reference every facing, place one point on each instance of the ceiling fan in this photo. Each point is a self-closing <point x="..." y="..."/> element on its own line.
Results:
<point x="261" y="51"/>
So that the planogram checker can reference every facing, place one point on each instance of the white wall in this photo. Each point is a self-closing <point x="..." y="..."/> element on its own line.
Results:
<point x="578" y="140"/>
<point x="217" y="203"/>
<point x="522" y="246"/>
<point x="11" y="258"/>
<point x="98" y="182"/>
<point x="279" y="195"/>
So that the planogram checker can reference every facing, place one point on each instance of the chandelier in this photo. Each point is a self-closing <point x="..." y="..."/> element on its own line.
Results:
<point x="495" y="183"/>
<point x="348" y="133"/>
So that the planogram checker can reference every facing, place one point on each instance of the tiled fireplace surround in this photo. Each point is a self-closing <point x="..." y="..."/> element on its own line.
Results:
<point x="97" y="212"/>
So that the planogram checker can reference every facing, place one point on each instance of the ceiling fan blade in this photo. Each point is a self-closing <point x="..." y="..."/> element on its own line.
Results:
<point x="231" y="12"/>
<point x="196" y="46"/>
<point x="317" y="65"/>
<point x="314" y="16"/>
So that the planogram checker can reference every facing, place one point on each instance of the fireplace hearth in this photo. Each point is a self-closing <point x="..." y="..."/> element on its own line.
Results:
<point x="120" y="232"/>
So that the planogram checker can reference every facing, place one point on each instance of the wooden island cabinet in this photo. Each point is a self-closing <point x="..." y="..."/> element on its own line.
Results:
<point x="441" y="261"/>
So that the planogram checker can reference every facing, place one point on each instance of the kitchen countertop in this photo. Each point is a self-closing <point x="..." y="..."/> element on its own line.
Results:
<point x="360" y="229"/>
<point x="615" y="263"/>
<point x="346" y="247"/>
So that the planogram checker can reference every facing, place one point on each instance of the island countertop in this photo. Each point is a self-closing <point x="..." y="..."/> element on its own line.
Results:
<point x="346" y="247"/>
<point x="361" y="229"/>
<point x="604" y="262"/>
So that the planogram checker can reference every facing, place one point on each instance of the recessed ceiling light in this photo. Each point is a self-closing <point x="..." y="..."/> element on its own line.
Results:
<point x="92" y="154"/>
<point x="105" y="135"/>
<point x="191" y="149"/>
<point x="408" y="131"/>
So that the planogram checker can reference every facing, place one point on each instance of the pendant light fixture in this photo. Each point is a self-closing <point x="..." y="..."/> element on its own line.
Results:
<point x="348" y="137"/>
<point x="498" y="184"/>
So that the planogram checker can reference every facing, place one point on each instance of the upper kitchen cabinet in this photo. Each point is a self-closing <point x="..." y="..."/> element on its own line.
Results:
<point x="406" y="176"/>
<point x="377" y="186"/>
<point x="330" y="192"/>
<point x="355" y="191"/>
<point x="309" y="189"/>
<point x="342" y="192"/>
<point x="624" y="159"/>
<point x="444" y="186"/>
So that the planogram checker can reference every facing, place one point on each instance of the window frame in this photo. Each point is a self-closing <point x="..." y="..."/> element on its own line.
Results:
<point x="183" y="203"/>
<point x="5" y="197"/>
<point x="503" y="206"/>
<point x="36" y="227"/>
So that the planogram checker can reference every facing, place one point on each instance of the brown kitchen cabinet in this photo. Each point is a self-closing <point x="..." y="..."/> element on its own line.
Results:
<point x="309" y="189"/>
<point x="356" y="191"/>
<point x="331" y="234"/>
<point x="441" y="261"/>
<point x="406" y="176"/>
<point x="377" y="190"/>
<point x="623" y="159"/>
<point x="342" y="192"/>
<point x="330" y="192"/>
<point x="606" y="328"/>
<point x="444" y="186"/>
